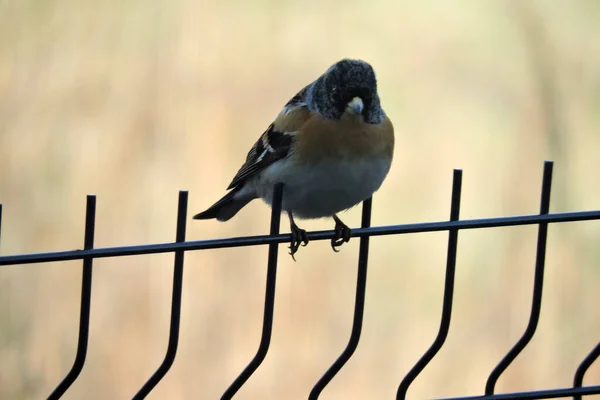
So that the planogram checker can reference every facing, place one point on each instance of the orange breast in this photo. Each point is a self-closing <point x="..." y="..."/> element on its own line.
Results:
<point x="347" y="139"/>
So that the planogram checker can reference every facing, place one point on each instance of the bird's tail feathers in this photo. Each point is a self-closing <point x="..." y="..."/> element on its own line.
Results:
<point x="227" y="206"/>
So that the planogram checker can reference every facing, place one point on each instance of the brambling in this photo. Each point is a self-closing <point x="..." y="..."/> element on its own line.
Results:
<point x="331" y="146"/>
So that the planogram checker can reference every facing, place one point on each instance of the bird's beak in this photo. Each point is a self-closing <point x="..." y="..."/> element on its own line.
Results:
<point x="355" y="106"/>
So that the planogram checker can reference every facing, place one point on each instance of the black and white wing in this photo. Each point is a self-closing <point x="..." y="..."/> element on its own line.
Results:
<point x="277" y="141"/>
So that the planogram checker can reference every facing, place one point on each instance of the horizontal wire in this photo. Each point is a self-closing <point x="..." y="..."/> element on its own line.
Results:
<point x="317" y="235"/>
<point x="535" y="394"/>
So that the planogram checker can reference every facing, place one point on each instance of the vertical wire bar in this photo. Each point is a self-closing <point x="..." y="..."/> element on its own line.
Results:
<point x="265" y="339"/>
<point x="0" y="220"/>
<point x="86" y="295"/>
<point x="175" y="302"/>
<point x="538" y="284"/>
<point x="448" y="292"/>
<point x="583" y="367"/>
<point x="359" y="307"/>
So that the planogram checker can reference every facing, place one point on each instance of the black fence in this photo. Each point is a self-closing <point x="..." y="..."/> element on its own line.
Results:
<point x="453" y="226"/>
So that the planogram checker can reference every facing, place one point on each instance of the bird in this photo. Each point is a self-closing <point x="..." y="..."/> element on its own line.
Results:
<point x="331" y="146"/>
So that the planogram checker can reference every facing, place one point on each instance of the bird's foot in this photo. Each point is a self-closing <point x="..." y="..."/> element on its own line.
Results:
<point x="342" y="234"/>
<point x="299" y="237"/>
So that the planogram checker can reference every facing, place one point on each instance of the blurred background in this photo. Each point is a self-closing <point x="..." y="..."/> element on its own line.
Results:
<point x="135" y="100"/>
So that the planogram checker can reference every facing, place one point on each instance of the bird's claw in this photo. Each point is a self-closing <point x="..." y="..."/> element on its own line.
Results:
<point x="342" y="235"/>
<point x="299" y="237"/>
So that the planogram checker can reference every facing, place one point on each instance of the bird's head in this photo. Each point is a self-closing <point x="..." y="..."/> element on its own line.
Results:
<point x="348" y="86"/>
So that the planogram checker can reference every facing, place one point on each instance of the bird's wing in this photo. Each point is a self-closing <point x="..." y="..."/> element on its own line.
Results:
<point x="277" y="141"/>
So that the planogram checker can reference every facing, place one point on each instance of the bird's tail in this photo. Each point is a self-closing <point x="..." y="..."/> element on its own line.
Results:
<point x="227" y="207"/>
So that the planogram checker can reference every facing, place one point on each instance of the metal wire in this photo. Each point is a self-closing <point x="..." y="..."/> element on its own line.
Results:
<point x="535" y="394"/>
<point x="359" y="307"/>
<point x="265" y="339"/>
<point x="180" y="246"/>
<point x="538" y="284"/>
<point x="175" y="302"/>
<point x="285" y="238"/>
<point x="86" y="301"/>
<point x="448" y="293"/>
<point x="583" y="368"/>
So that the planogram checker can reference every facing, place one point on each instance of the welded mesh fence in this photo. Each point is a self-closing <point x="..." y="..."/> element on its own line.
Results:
<point x="453" y="226"/>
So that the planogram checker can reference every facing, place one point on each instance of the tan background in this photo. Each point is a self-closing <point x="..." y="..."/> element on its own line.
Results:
<point x="135" y="100"/>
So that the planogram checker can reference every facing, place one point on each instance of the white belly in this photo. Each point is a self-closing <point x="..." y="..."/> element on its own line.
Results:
<point x="323" y="189"/>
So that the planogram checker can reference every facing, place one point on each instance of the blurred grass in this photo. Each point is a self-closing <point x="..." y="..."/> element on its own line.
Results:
<point x="135" y="100"/>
